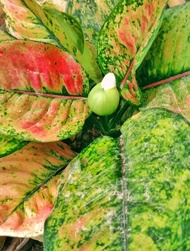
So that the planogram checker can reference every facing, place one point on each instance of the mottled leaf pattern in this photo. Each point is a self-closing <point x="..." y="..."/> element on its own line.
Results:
<point x="157" y="157"/>
<point x="88" y="214"/>
<point x="9" y="145"/>
<point x="36" y="118"/>
<point x="46" y="24"/>
<point x="91" y="15"/>
<point x="42" y="68"/>
<point x="28" y="187"/>
<point x="23" y="24"/>
<point x="35" y="68"/>
<point x="125" y="39"/>
<point x="168" y="55"/>
<point x="174" y="96"/>
<point x="63" y="26"/>
<point x="137" y="202"/>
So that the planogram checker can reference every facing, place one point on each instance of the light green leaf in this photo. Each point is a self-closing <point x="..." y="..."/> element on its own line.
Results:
<point x="28" y="187"/>
<point x="130" y="194"/>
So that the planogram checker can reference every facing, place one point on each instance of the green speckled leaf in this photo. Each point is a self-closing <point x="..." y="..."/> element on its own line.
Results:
<point x="37" y="118"/>
<point x="174" y="96"/>
<point x="28" y="187"/>
<point x="91" y="15"/>
<point x="88" y="214"/>
<point x="10" y="145"/>
<point x="23" y="24"/>
<point x="131" y="195"/>
<point x="169" y="54"/>
<point x="157" y="157"/>
<point x="125" y="39"/>
<point x="61" y="25"/>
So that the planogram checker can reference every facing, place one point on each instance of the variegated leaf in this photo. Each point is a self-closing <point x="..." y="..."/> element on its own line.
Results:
<point x="174" y="96"/>
<point x="130" y="194"/>
<point x="9" y="145"/>
<point x="28" y="187"/>
<point x="63" y="26"/>
<point x="125" y="39"/>
<point x="88" y="213"/>
<point x="91" y="15"/>
<point x="168" y="57"/>
<point x="46" y="24"/>
<point x="44" y="119"/>
<point x="28" y="68"/>
<point x="23" y="24"/>
<point x="38" y="67"/>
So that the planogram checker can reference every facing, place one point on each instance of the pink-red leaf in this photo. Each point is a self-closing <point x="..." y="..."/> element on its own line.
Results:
<point x="38" y="67"/>
<point x="28" y="180"/>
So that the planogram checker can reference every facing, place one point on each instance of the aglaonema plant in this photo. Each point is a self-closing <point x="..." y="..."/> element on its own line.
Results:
<point x="94" y="124"/>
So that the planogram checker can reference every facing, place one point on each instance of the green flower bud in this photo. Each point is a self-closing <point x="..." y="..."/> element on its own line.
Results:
<point x="103" y="99"/>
